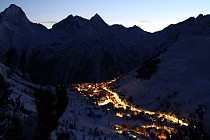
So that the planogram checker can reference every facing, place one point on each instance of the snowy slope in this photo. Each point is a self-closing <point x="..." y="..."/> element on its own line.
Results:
<point x="24" y="89"/>
<point x="180" y="82"/>
<point x="76" y="113"/>
<point x="18" y="110"/>
<point x="19" y="88"/>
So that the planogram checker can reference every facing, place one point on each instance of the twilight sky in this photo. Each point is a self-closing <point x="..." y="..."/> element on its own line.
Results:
<point x="150" y="15"/>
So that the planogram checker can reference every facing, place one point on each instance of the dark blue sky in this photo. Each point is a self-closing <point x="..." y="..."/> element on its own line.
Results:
<point x="150" y="15"/>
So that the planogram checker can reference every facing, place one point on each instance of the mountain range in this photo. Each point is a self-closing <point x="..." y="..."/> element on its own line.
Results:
<point x="74" y="50"/>
<point x="166" y="71"/>
<point x="78" y="50"/>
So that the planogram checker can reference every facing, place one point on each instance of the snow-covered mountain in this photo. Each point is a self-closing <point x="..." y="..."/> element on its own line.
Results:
<point x="173" y="75"/>
<point x="177" y="80"/>
<point x="17" y="31"/>
<point x="74" y="50"/>
<point x="78" y="50"/>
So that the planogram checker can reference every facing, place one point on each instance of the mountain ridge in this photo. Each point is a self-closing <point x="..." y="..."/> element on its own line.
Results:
<point x="167" y="71"/>
<point x="73" y="35"/>
<point x="87" y="50"/>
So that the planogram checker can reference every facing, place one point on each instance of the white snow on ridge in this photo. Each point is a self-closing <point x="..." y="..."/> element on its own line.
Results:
<point x="77" y="112"/>
<point x="183" y="79"/>
<point x="20" y="87"/>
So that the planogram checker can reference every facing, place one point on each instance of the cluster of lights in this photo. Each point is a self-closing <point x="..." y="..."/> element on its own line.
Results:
<point x="94" y="89"/>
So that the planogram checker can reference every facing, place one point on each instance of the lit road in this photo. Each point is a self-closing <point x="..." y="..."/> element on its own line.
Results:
<point x="105" y="95"/>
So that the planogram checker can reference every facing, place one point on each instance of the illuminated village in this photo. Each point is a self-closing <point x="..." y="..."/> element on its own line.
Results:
<point x="149" y="123"/>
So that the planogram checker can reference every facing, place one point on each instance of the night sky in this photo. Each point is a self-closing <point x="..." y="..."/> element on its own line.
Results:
<point x="150" y="15"/>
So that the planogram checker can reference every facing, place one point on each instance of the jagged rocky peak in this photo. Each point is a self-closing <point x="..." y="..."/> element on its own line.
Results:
<point x="15" y="7"/>
<point x="135" y="27"/>
<point x="202" y="17"/>
<point x="189" y="20"/>
<point x="70" y="17"/>
<point x="97" y="19"/>
<point x="14" y="16"/>
<point x="69" y="21"/>
<point x="199" y="16"/>
<point x="98" y="23"/>
<point x="76" y="22"/>
<point x="14" y="10"/>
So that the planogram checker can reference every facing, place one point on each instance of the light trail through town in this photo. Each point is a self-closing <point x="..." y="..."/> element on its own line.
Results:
<point x="105" y="95"/>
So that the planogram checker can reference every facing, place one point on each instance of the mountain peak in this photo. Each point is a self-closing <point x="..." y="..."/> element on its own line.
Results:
<point x="14" y="10"/>
<point x="13" y="6"/>
<point x="97" y="15"/>
<point x="70" y="17"/>
<point x="98" y="23"/>
<point x="96" y="18"/>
